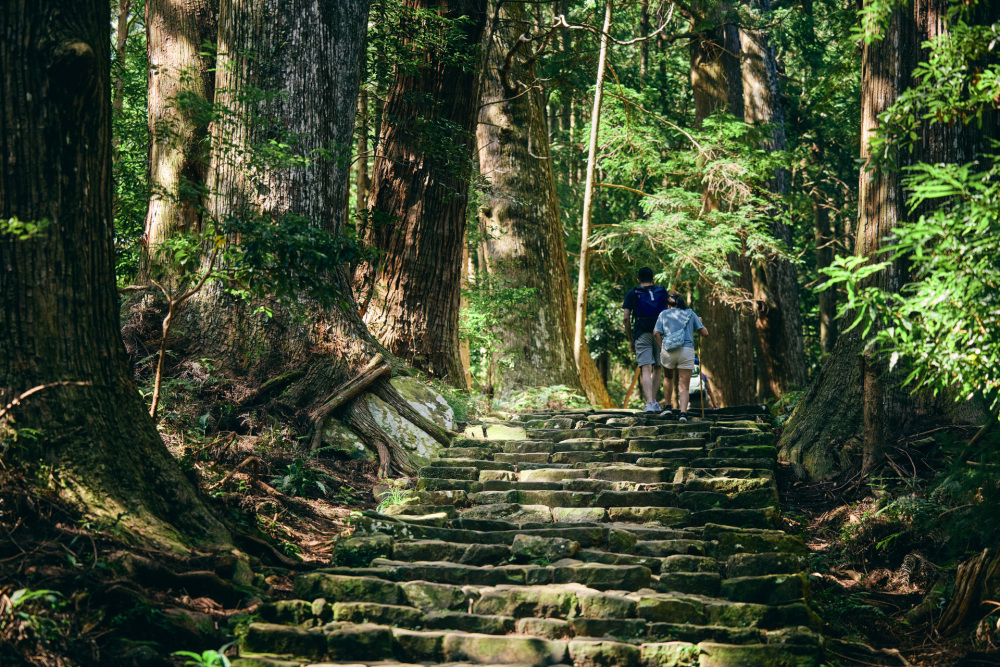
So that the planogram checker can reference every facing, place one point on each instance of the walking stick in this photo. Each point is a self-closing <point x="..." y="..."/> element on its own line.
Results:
<point x="701" y="381"/>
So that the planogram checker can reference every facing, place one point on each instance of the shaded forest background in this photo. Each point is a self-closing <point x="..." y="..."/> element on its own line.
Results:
<point x="300" y="217"/>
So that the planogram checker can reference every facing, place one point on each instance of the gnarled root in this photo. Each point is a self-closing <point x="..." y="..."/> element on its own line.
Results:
<point x="392" y="458"/>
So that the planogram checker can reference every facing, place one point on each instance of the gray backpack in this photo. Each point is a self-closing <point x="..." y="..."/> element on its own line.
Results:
<point x="675" y="338"/>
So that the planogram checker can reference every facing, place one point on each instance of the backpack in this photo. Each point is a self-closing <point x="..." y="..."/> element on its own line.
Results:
<point x="649" y="303"/>
<point x="675" y="338"/>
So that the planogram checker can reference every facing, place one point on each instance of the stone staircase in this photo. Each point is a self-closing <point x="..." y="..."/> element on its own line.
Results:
<point x="593" y="539"/>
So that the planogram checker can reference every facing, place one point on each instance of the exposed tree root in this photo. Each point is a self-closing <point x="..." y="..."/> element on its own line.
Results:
<point x="971" y="582"/>
<point x="346" y="392"/>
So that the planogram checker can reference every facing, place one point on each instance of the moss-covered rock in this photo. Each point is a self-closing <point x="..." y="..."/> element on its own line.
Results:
<point x="427" y="596"/>
<point x="345" y="588"/>
<point x="286" y="612"/>
<point x="382" y="614"/>
<point x="666" y="609"/>
<point x="289" y="640"/>
<point x="359" y="551"/>
<point x="549" y="628"/>
<point x="669" y="654"/>
<point x="764" y="655"/>
<point x="477" y="648"/>
<point x="600" y="653"/>
<point x="527" y="548"/>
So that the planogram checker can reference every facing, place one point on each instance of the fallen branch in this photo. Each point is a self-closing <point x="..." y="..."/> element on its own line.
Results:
<point x="375" y="369"/>
<point x="250" y="459"/>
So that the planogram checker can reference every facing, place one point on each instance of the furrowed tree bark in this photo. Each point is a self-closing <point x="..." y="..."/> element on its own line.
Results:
<point x="311" y="73"/>
<point x="419" y="193"/>
<point x="585" y="365"/>
<point x="781" y="360"/>
<point x="727" y="354"/>
<point x="830" y="429"/>
<point x="180" y="71"/>
<point x="521" y="213"/>
<point x="58" y="300"/>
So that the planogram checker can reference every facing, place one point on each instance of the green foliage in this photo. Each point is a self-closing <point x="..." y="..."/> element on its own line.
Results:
<point x="209" y="658"/>
<point x="944" y="322"/>
<point x="33" y="608"/>
<point x="300" y="479"/>
<point x="130" y="128"/>
<point x="22" y="230"/>
<point x="556" y="397"/>
<point x="494" y="303"/>
<point x="397" y="494"/>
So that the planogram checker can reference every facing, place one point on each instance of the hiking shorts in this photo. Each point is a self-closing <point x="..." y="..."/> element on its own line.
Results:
<point x="647" y="352"/>
<point x="679" y="357"/>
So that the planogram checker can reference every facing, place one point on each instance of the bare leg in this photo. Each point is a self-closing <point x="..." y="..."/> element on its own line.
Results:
<point x="668" y="386"/>
<point x="655" y="383"/>
<point x="647" y="383"/>
<point x="685" y="387"/>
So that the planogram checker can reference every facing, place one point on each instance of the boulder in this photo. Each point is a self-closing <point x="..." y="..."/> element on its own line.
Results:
<point x="428" y="403"/>
<point x="344" y="442"/>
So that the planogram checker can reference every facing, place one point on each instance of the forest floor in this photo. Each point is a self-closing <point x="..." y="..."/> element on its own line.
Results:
<point x="75" y="594"/>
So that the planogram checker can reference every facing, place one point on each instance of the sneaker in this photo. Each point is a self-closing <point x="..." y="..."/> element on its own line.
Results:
<point x="666" y="412"/>
<point x="651" y="407"/>
<point x="683" y="417"/>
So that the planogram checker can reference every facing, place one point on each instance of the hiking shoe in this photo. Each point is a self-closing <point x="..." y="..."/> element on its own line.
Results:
<point x="683" y="417"/>
<point x="651" y="407"/>
<point x="666" y="412"/>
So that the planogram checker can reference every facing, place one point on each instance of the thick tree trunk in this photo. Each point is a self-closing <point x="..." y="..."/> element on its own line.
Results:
<point x="525" y="240"/>
<point x="780" y="354"/>
<point x="180" y="71"/>
<point x="58" y="303"/>
<point x="827" y="432"/>
<point x="311" y="74"/>
<point x="727" y="354"/>
<point x="419" y="193"/>
<point x="824" y="258"/>
<point x="361" y="182"/>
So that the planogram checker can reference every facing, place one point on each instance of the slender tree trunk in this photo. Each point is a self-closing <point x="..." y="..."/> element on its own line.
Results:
<point x="727" y="354"/>
<point x="361" y="184"/>
<point x="121" y="41"/>
<point x="824" y="258"/>
<point x="420" y="188"/>
<point x="644" y="45"/>
<point x="180" y="72"/>
<point x="58" y="302"/>
<point x="780" y="351"/>
<point x="525" y="240"/>
<point x="583" y="277"/>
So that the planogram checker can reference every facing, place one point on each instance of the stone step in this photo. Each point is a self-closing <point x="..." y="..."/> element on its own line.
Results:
<point x="648" y="445"/>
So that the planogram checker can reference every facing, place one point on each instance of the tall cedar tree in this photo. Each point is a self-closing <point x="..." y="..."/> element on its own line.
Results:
<point x="178" y="38"/>
<point x="521" y="213"/>
<point x="727" y="354"/>
<point x="830" y="420"/>
<point x="304" y="90"/>
<point x="59" y="324"/>
<point x="780" y="353"/>
<point x="419" y="194"/>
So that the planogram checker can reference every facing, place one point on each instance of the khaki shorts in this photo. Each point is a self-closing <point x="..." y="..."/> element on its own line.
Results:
<point x="680" y="357"/>
<point x="646" y="350"/>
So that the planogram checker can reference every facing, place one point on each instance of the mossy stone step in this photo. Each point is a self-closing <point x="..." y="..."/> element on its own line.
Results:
<point x="456" y="552"/>
<point x="449" y="472"/>
<point x="549" y="474"/>
<point x="649" y="445"/>
<point x="735" y="462"/>
<point x="742" y="452"/>
<point x="665" y="548"/>
<point x="630" y="473"/>
<point x="529" y="447"/>
<point x="513" y="485"/>
<point x="691" y="583"/>
<point x="332" y="642"/>
<point x="558" y="435"/>
<point x="684" y="474"/>
<point x="729" y="484"/>
<point x="468" y="463"/>
<point x="758" y="438"/>
<point x="731" y="541"/>
<point x="475" y="453"/>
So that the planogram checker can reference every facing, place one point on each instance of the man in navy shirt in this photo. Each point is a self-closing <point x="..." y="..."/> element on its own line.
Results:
<point x="643" y="305"/>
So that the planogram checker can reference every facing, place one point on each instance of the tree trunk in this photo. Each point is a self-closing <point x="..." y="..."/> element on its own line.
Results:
<point x="58" y="301"/>
<point x="727" y="354"/>
<point x="180" y="71"/>
<point x="361" y="183"/>
<point x="780" y="354"/>
<point x="419" y="193"/>
<point x="828" y="431"/>
<point x="824" y="258"/>
<point x="583" y="276"/>
<point x="310" y="76"/>
<point x="521" y="212"/>
<point x="121" y="41"/>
